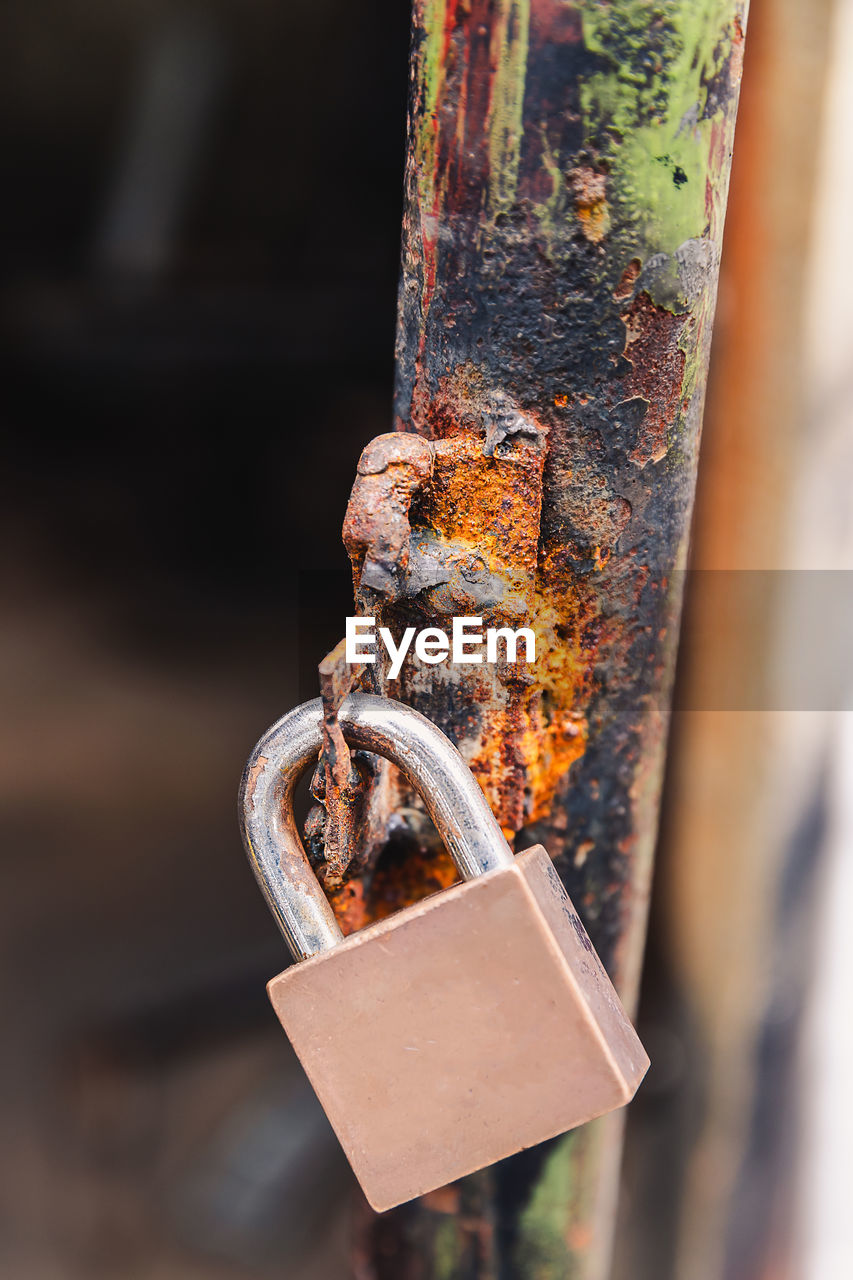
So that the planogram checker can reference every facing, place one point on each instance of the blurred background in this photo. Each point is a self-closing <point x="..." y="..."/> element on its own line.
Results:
<point x="200" y="256"/>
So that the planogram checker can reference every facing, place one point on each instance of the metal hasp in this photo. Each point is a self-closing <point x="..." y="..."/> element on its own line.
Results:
<point x="430" y="762"/>
<point x="566" y="184"/>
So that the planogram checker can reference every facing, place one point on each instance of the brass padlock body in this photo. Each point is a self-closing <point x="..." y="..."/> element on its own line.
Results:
<point x="459" y="1031"/>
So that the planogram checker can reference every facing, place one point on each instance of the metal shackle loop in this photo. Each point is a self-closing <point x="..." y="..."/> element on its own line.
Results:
<point x="429" y="760"/>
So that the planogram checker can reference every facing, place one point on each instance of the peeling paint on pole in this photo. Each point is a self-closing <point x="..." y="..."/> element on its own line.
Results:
<point x="565" y="193"/>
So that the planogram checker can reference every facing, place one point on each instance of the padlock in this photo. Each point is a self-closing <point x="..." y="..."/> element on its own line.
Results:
<point x="466" y="1027"/>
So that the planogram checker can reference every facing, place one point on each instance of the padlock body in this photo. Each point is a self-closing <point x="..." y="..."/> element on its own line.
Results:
<point x="461" y="1030"/>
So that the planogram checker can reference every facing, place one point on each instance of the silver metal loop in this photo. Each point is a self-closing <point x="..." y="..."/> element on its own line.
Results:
<point x="429" y="760"/>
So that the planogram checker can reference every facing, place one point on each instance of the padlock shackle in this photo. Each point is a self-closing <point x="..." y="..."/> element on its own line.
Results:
<point x="402" y="735"/>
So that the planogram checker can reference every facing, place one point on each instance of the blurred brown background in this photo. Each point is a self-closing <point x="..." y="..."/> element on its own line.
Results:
<point x="200" y="253"/>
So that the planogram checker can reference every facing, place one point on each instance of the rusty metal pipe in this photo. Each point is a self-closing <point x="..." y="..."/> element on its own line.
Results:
<point x="566" y="184"/>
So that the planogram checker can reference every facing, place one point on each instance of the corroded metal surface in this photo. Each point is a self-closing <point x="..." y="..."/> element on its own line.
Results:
<point x="565" y="192"/>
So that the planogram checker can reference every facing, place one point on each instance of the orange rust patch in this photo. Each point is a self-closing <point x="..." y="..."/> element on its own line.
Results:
<point x="490" y="503"/>
<point x="349" y="906"/>
<point x="408" y="877"/>
<point x="444" y="1200"/>
<point x="525" y="725"/>
<point x="403" y="877"/>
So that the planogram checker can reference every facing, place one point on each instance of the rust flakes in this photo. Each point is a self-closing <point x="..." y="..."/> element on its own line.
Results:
<point x="597" y="515"/>
<point x="627" y="280"/>
<point x="652" y="336"/>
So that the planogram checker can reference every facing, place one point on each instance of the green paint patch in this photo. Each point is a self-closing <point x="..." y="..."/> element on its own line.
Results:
<point x="543" y="1251"/>
<point x="556" y="1230"/>
<point x="447" y="1249"/>
<point x="512" y="25"/>
<point x="432" y="82"/>
<point x="652" y="114"/>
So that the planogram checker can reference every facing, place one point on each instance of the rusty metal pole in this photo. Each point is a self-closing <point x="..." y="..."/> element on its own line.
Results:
<point x="566" y="183"/>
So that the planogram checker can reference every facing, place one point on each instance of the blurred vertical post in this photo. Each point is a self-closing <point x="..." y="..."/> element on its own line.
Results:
<point x="748" y="800"/>
<point x="566" y="187"/>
